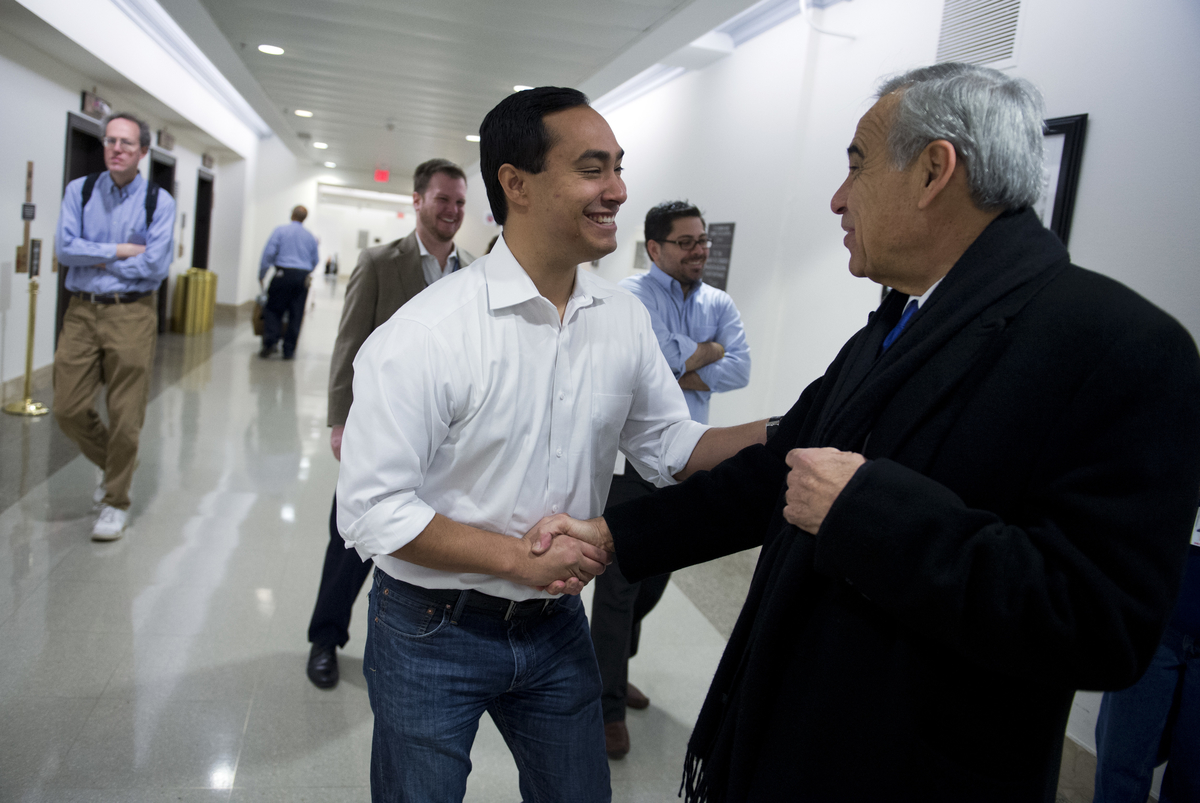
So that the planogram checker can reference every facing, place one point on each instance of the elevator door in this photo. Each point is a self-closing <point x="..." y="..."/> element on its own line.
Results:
<point x="203" y="220"/>
<point x="85" y="154"/>
<point x="162" y="173"/>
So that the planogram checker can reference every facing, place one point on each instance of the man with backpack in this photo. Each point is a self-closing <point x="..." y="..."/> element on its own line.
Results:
<point x="115" y="237"/>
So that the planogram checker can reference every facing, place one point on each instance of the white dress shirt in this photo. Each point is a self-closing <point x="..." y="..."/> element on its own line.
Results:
<point x="474" y="401"/>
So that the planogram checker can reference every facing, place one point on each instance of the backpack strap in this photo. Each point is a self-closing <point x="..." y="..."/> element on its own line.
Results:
<point x="89" y="184"/>
<point x="151" y="202"/>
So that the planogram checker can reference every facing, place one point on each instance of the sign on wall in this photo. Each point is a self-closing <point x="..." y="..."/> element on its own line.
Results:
<point x="716" y="272"/>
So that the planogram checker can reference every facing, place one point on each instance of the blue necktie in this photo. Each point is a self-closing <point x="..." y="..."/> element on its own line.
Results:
<point x="899" y="327"/>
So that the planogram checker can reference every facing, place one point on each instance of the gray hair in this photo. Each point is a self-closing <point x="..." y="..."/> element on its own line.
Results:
<point x="993" y="121"/>
<point x="143" y="129"/>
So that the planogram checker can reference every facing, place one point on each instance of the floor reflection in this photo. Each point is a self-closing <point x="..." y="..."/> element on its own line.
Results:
<point x="170" y="664"/>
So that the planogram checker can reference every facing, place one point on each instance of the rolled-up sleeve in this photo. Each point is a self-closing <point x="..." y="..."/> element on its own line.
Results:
<point x="403" y="407"/>
<point x="733" y="370"/>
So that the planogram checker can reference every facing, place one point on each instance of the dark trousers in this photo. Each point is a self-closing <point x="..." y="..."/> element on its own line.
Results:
<point x="618" y="607"/>
<point x="285" y="297"/>
<point x="341" y="579"/>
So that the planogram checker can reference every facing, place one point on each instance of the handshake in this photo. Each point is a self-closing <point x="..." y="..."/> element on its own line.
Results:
<point x="564" y="554"/>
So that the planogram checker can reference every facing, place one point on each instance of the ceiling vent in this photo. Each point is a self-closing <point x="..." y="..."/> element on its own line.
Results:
<point x="979" y="32"/>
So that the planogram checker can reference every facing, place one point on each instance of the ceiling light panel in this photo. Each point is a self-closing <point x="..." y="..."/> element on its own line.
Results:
<point x="271" y="50"/>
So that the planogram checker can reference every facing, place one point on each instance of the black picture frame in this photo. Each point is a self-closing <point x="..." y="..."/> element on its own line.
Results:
<point x="1064" y="158"/>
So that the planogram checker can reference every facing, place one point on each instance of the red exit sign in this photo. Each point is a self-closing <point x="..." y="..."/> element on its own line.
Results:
<point x="382" y="176"/>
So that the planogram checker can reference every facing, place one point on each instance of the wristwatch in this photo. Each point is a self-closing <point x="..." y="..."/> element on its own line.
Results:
<point x="773" y="425"/>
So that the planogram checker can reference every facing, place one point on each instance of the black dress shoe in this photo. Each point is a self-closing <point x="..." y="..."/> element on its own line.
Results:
<point x="322" y="666"/>
<point x="634" y="697"/>
<point x="266" y="351"/>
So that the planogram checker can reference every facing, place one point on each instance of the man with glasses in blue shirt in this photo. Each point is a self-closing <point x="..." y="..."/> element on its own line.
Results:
<point x="700" y="333"/>
<point x="116" y="247"/>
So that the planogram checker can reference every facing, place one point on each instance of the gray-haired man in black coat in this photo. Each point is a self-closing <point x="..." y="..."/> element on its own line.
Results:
<point x="982" y="506"/>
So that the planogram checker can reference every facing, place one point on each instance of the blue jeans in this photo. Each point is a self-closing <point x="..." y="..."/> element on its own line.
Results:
<point x="434" y="668"/>
<point x="1155" y="720"/>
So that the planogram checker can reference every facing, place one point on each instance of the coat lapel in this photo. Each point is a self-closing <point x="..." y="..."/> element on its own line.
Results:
<point x="408" y="263"/>
<point x="986" y="287"/>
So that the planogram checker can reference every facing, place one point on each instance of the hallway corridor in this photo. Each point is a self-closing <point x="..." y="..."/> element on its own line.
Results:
<point x="169" y="665"/>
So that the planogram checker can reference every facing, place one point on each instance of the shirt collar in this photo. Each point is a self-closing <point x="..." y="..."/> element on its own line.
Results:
<point x="106" y="184"/>
<point x="425" y="251"/>
<point x="669" y="283"/>
<point x="921" y="299"/>
<point x="508" y="284"/>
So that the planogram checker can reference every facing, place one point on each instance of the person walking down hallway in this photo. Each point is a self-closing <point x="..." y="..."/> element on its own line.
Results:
<point x="293" y="251"/>
<point x="386" y="277"/>
<point x="115" y="235"/>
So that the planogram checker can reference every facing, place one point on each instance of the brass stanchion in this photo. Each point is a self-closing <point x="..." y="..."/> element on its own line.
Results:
<point x="27" y="406"/>
<point x="29" y="259"/>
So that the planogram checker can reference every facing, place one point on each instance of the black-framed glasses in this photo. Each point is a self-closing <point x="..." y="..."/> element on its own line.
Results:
<point x="688" y="243"/>
<point x="127" y="145"/>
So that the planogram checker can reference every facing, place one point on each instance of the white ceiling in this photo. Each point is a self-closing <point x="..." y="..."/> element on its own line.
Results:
<point x="429" y="69"/>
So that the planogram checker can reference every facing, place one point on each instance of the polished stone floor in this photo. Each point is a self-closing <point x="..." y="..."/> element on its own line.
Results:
<point x="169" y="666"/>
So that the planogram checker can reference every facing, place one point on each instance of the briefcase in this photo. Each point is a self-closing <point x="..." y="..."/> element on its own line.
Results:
<point x="256" y="318"/>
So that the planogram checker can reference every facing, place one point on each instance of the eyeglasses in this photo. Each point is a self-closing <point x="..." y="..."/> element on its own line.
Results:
<point x="688" y="243"/>
<point x="127" y="145"/>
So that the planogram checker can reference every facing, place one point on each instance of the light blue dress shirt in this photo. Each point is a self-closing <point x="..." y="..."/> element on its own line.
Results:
<point x="681" y="324"/>
<point x="114" y="215"/>
<point x="290" y="246"/>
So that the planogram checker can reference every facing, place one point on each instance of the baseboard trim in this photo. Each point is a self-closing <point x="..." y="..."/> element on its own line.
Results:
<point x="14" y="389"/>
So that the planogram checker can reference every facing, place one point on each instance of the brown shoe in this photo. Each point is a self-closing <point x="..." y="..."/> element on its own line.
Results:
<point x="634" y="697"/>
<point x="616" y="739"/>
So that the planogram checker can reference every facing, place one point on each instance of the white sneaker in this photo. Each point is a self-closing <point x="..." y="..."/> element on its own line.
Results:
<point x="99" y="494"/>
<point x="109" y="525"/>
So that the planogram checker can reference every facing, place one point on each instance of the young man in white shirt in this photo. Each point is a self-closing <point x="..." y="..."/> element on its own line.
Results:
<point x="495" y="398"/>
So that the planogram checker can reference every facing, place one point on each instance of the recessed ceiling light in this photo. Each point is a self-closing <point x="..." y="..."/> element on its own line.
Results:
<point x="331" y="164"/>
<point x="321" y="145"/>
<point x="271" y="50"/>
<point x="302" y="113"/>
<point x="472" y="137"/>
<point x="521" y="88"/>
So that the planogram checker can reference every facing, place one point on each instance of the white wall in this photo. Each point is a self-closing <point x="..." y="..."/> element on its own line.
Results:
<point x="476" y="232"/>
<point x="336" y="225"/>
<point x="40" y="92"/>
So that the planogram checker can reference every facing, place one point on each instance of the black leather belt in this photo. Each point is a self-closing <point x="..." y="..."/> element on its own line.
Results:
<point x="110" y="298"/>
<point x="477" y="602"/>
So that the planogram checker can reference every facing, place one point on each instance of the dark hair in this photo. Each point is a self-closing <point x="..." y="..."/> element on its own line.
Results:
<point x="514" y="133"/>
<point x="427" y="170"/>
<point x="299" y="213"/>
<point x="660" y="219"/>
<point x="143" y="129"/>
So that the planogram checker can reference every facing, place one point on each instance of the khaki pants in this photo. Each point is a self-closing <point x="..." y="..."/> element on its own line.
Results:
<point x="111" y="344"/>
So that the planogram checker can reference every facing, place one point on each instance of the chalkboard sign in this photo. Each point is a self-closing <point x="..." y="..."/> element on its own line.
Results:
<point x="716" y="272"/>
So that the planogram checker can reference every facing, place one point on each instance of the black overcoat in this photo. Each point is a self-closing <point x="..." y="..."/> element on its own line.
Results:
<point x="1019" y="533"/>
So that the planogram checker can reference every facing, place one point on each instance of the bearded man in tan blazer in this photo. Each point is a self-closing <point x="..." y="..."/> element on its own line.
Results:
<point x="385" y="278"/>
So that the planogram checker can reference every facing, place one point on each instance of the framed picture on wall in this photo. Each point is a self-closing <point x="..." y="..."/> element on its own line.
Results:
<point x="1063" y="158"/>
